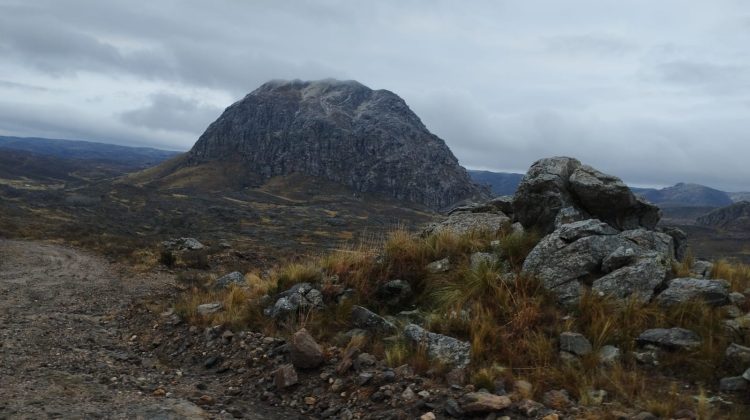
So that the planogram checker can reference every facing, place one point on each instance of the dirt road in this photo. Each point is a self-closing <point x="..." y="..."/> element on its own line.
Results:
<point x="66" y="348"/>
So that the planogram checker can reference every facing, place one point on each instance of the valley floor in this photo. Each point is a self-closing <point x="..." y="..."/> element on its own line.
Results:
<point x="68" y="349"/>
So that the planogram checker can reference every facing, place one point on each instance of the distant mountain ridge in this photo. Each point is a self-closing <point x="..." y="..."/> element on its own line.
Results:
<point x="733" y="217"/>
<point x="500" y="183"/>
<point x="341" y="131"/>
<point x="688" y="195"/>
<point x="679" y="195"/>
<point x="135" y="157"/>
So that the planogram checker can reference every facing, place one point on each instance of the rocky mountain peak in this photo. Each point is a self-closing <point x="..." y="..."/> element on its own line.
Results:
<point x="342" y="131"/>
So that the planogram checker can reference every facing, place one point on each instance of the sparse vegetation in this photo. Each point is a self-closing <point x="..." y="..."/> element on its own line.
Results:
<point x="738" y="275"/>
<point x="510" y="320"/>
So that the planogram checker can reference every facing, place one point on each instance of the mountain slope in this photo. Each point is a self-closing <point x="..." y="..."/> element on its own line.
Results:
<point x="732" y="217"/>
<point x="687" y="195"/>
<point x="501" y="183"/>
<point x="341" y="131"/>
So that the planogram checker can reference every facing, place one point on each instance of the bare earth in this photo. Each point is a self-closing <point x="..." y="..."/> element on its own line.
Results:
<point x="66" y="349"/>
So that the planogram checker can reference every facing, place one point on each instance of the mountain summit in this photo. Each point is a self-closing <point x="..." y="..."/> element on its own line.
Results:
<point x="342" y="131"/>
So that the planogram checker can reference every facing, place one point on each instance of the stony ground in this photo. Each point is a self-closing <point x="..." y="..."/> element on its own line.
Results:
<point x="68" y="350"/>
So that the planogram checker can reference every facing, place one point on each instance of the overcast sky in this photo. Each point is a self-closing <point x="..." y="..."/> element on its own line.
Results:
<point x="654" y="91"/>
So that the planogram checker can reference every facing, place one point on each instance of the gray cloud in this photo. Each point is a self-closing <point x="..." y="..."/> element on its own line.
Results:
<point x="22" y="86"/>
<point x="654" y="92"/>
<point x="172" y="113"/>
<point x="597" y="44"/>
<point x="719" y="78"/>
<point x="59" y="121"/>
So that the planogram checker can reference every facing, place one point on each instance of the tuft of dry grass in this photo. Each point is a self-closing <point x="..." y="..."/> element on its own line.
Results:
<point x="483" y="283"/>
<point x="397" y="353"/>
<point x="604" y="320"/>
<point x="666" y="404"/>
<point x="684" y="267"/>
<point x="294" y="273"/>
<point x="486" y="377"/>
<point x="738" y="275"/>
<point x="707" y="322"/>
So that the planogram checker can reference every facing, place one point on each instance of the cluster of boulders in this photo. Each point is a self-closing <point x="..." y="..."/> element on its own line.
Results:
<point x="599" y="236"/>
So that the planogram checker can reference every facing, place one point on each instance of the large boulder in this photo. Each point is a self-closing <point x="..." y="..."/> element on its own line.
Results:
<point x="463" y="222"/>
<point x="608" y="198"/>
<point x="227" y="280"/>
<point x="575" y="343"/>
<point x="591" y="253"/>
<point x="563" y="186"/>
<point x="304" y="351"/>
<point x="370" y="321"/>
<point x="446" y="349"/>
<point x="543" y="192"/>
<point x="713" y="292"/>
<point x="670" y="338"/>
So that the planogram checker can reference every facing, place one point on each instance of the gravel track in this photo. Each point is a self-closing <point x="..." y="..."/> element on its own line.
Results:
<point x="65" y="347"/>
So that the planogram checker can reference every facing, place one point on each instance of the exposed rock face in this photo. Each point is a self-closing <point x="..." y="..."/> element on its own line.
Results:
<point x="591" y="253"/>
<point x="713" y="292"/>
<point x="342" y="131"/>
<point x="638" y="280"/>
<point x="554" y="184"/>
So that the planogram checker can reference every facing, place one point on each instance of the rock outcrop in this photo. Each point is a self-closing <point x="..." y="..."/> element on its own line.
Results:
<point x="562" y="186"/>
<point x="599" y="235"/>
<point x="591" y="253"/>
<point x="341" y="131"/>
